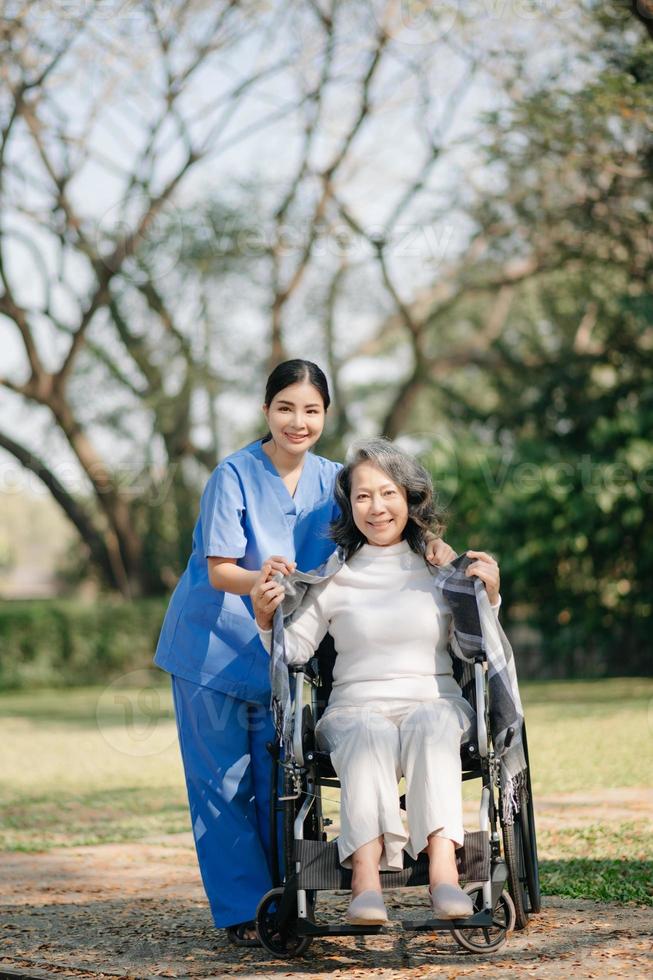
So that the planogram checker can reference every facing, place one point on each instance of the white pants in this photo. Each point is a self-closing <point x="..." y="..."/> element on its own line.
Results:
<point x="375" y="744"/>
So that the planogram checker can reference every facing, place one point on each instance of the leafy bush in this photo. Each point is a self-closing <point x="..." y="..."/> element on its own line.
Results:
<point x="60" y="643"/>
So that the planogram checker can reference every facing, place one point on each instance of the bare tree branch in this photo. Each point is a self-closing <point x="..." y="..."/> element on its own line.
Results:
<point x="136" y="348"/>
<point x="333" y="361"/>
<point x="40" y="380"/>
<point x="327" y="176"/>
<point x="104" y="557"/>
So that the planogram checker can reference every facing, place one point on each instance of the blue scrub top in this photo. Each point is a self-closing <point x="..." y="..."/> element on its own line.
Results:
<point x="210" y="637"/>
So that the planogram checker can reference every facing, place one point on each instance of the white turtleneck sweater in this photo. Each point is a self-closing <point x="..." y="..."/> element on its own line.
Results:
<point x="389" y="624"/>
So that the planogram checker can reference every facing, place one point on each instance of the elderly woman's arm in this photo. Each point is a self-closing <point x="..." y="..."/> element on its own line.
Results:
<point x="310" y="623"/>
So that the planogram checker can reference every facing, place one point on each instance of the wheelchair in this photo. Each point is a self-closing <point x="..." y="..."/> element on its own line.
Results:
<point x="497" y="865"/>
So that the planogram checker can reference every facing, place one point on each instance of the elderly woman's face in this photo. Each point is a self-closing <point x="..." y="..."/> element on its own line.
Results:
<point x="379" y="506"/>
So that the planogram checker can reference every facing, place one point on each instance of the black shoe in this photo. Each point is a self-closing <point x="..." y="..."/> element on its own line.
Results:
<point x="236" y="934"/>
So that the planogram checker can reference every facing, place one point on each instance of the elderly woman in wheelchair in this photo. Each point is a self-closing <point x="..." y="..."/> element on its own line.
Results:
<point x="395" y="708"/>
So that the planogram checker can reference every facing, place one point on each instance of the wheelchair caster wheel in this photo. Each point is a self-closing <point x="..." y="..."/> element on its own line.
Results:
<point x="279" y="939"/>
<point x="487" y="939"/>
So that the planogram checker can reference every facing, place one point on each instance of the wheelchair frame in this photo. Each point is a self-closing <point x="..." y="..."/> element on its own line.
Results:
<point x="286" y="922"/>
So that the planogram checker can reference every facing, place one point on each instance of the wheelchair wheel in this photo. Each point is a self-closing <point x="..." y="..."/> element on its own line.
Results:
<point x="528" y="825"/>
<point x="513" y="845"/>
<point x="520" y="849"/>
<point x="280" y="940"/>
<point x="487" y="939"/>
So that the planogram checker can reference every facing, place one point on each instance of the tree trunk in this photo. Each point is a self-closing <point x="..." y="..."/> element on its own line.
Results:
<point x="123" y="544"/>
<point x="401" y="409"/>
<point x="98" y="543"/>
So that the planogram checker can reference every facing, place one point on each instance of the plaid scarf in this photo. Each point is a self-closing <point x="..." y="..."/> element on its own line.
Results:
<point x="476" y="629"/>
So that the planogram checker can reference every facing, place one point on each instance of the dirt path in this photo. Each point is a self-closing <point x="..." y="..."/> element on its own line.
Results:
<point x="564" y="810"/>
<point x="138" y="910"/>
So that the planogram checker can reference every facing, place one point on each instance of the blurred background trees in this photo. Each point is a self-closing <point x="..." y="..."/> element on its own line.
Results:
<point x="450" y="209"/>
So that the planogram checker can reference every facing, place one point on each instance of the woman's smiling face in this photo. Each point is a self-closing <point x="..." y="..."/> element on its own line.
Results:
<point x="379" y="506"/>
<point x="296" y="417"/>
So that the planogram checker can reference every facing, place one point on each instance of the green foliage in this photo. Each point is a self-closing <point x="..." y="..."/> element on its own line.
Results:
<point x="61" y="643"/>
<point x="570" y="528"/>
<point x="601" y="881"/>
<point x="553" y="461"/>
<point x="603" y="861"/>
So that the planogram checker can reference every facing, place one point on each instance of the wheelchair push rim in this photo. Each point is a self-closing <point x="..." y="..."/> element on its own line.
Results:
<point x="520" y="848"/>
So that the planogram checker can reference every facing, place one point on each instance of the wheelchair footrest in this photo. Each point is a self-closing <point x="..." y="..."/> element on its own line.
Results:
<point x="320" y="868"/>
<point x="306" y="928"/>
<point x="480" y="919"/>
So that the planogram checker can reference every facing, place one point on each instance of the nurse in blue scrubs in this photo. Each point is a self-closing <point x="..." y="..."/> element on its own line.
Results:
<point x="271" y="501"/>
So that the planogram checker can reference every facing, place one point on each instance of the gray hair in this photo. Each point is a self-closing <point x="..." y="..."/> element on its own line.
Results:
<point x="405" y="471"/>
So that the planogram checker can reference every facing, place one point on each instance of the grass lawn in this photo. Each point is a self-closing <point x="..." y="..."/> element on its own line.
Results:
<point x="92" y="765"/>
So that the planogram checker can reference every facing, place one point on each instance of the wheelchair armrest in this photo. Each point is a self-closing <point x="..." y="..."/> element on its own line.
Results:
<point x="303" y="719"/>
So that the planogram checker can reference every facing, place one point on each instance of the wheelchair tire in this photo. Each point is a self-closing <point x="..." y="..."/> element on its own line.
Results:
<point x="482" y="939"/>
<point x="530" y="840"/>
<point x="514" y="854"/>
<point x="520" y="847"/>
<point x="280" y="941"/>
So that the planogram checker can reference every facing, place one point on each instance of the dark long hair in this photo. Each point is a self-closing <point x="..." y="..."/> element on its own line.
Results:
<point x="290" y="372"/>
<point x="404" y="470"/>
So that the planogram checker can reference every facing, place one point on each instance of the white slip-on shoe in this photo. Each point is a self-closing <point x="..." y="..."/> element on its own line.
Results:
<point x="367" y="909"/>
<point x="450" y="902"/>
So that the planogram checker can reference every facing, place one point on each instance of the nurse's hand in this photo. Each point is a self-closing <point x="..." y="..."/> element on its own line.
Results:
<point x="279" y="564"/>
<point x="438" y="552"/>
<point x="266" y="595"/>
<point x="487" y="570"/>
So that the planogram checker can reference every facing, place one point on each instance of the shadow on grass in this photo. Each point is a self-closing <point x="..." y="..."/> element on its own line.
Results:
<point x="599" y="880"/>
<point x="84" y="707"/>
<point x="596" y="691"/>
<point x="39" y="823"/>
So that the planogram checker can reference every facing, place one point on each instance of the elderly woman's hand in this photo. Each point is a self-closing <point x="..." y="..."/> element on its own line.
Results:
<point x="487" y="570"/>
<point x="266" y="595"/>
<point x="438" y="552"/>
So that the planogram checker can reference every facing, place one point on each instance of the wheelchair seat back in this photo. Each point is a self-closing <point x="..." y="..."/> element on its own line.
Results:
<point x="321" y="667"/>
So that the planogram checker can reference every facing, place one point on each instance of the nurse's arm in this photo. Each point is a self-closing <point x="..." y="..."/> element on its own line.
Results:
<point x="226" y="575"/>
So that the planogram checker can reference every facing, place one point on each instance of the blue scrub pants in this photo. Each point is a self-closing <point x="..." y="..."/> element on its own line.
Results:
<point x="228" y="777"/>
